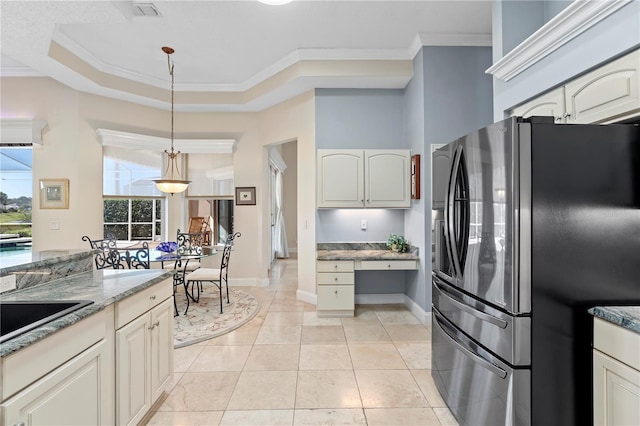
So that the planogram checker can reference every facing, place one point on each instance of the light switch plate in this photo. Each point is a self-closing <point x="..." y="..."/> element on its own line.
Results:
<point x="363" y="224"/>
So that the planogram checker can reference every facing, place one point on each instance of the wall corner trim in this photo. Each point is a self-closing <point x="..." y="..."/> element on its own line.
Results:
<point x="15" y="131"/>
<point x="154" y="143"/>
<point x="574" y="20"/>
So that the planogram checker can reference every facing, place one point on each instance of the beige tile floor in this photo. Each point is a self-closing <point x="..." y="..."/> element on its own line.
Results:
<point x="289" y="367"/>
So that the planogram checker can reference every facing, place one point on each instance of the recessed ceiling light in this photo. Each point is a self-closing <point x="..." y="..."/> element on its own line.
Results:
<point x="275" y="2"/>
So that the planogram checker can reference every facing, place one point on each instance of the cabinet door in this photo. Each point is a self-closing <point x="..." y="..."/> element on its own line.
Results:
<point x="340" y="178"/>
<point x="387" y="178"/>
<point x="608" y="93"/>
<point x="132" y="354"/>
<point x="73" y="394"/>
<point x="161" y="348"/>
<point x="336" y="297"/>
<point x="549" y="104"/>
<point x="616" y="392"/>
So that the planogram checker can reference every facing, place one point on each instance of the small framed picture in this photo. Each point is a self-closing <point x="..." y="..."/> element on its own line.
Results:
<point x="54" y="193"/>
<point x="246" y="195"/>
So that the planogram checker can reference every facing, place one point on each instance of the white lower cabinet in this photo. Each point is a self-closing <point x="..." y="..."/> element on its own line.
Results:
<point x="616" y="375"/>
<point x="65" y="379"/>
<point x="73" y="394"/>
<point x="336" y="288"/>
<point x="144" y="360"/>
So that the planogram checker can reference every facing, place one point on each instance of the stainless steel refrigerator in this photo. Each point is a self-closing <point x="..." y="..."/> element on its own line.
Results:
<point x="534" y="223"/>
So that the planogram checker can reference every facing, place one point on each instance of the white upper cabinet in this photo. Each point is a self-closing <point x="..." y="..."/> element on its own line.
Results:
<point x="607" y="94"/>
<point x="549" y="104"/>
<point x="353" y="178"/>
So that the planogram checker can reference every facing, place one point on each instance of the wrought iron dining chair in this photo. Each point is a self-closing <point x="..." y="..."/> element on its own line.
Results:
<point x="213" y="275"/>
<point x="189" y="244"/>
<point x="105" y="258"/>
<point x="135" y="257"/>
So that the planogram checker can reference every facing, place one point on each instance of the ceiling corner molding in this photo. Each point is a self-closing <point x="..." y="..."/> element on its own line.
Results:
<point x="21" y="130"/>
<point x="136" y="141"/>
<point x="574" y="20"/>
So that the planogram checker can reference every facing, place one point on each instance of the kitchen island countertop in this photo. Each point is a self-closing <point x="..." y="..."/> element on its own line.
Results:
<point x="625" y="316"/>
<point x="103" y="287"/>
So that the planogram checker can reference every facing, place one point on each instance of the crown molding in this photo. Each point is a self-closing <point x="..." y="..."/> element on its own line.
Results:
<point x="135" y="141"/>
<point x="574" y="20"/>
<point x="21" y="130"/>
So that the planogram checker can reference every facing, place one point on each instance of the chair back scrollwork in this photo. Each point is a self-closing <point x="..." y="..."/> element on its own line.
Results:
<point x="105" y="258"/>
<point x="189" y="243"/>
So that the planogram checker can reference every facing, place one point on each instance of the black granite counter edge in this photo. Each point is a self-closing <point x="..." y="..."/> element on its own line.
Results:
<point x="33" y="336"/>
<point x="625" y="316"/>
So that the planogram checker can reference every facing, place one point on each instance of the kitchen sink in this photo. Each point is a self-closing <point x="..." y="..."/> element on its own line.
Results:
<point x="18" y="317"/>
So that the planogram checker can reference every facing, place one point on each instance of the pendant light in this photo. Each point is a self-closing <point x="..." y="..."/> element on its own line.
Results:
<point x="171" y="182"/>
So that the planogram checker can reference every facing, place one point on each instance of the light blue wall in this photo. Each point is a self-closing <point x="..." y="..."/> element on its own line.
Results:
<point x="414" y="221"/>
<point x="615" y="35"/>
<point x="361" y="119"/>
<point x="449" y="96"/>
<point x="343" y="225"/>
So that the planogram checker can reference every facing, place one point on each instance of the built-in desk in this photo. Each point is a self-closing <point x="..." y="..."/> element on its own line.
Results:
<point x="337" y="264"/>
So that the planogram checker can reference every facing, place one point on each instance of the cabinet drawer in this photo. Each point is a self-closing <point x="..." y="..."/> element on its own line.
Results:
<point x="335" y="266"/>
<point x="336" y="297"/>
<point x="338" y="278"/>
<point x="139" y="303"/>
<point x="390" y="265"/>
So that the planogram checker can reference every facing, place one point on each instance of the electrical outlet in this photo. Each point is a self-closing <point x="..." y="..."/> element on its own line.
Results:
<point x="54" y="225"/>
<point x="363" y="224"/>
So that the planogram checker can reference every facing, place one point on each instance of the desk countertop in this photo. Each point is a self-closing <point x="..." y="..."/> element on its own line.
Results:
<point x="362" y="251"/>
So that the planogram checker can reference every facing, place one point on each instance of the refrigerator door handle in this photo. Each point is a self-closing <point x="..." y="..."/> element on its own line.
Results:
<point x="451" y="296"/>
<point x="450" y="215"/>
<point x="467" y="351"/>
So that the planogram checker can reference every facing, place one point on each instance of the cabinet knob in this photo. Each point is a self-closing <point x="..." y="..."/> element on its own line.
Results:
<point x="154" y="325"/>
<point x="336" y="291"/>
<point x="335" y="279"/>
<point x="152" y="297"/>
<point x="559" y="118"/>
<point x="567" y="115"/>
<point x="335" y="266"/>
<point x="389" y="265"/>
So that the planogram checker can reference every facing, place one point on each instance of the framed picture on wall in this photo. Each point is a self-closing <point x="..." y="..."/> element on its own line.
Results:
<point x="54" y="193"/>
<point x="415" y="177"/>
<point x="245" y="195"/>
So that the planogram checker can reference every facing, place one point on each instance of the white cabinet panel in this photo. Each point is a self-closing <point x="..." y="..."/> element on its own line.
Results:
<point x="340" y="178"/>
<point x="616" y="388"/>
<point x="610" y="92"/>
<point x="132" y="349"/>
<point x="387" y="179"/>
<point x="336" y="297"/>
<point x="549" y="104"/>
<point x="352" y="178"/>
<point x="76" y="393"/>
<point x="606" y="94"/>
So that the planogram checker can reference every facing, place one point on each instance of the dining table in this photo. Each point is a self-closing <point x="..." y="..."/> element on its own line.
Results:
<point x="180" y="262"/>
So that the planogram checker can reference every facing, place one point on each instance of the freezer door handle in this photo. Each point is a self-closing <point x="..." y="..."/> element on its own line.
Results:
<point x="450" y="294"/>
<point x="466" y="350"/>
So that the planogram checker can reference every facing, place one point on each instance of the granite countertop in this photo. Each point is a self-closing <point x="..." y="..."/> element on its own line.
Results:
<point x="362" y="251"/>
<point x="104" y="287"/>
<point x="625" y="316"/>
<point x="41" y="259"/>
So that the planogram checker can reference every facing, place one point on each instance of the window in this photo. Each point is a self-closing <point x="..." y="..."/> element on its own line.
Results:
<point x="133" y="219"/>
<point x="16" y="191"/>
<point x="132" y="206"/>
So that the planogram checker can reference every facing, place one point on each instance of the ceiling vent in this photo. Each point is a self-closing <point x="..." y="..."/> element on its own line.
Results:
<point x="145" y="9"/>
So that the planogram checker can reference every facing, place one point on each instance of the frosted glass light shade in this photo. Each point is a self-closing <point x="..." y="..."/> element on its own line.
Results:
<point x="275" y="2"/>
<point x="172" y="186"/>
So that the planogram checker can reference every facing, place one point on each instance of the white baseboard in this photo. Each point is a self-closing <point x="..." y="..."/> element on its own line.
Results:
<point x="307" y="296"/>
<point x="379" y="299"/>
<point x="249" y="282"/>
<point x="423" y="316"/>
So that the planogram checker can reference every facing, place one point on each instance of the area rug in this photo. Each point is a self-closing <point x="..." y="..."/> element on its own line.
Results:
<point x="204" y="321"/>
